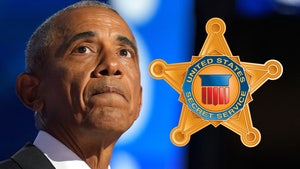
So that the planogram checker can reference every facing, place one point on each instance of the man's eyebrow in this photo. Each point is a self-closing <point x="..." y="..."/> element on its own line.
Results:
<point x="126" y="41"/>
<point x="81" y="35"/>
<point x="67" y="43"/>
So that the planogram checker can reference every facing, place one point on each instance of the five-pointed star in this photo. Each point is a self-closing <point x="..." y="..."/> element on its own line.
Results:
<point x="190" y="122"/>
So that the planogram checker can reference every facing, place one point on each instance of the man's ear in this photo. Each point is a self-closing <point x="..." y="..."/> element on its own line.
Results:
<point x="27" y="90"/>
<point x="140" y="103"/>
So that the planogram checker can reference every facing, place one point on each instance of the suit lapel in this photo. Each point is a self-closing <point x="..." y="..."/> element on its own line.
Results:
<point x="30" y="157"/>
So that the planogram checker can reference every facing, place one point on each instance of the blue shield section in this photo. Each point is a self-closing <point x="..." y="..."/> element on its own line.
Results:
<point x="215" y="79"/>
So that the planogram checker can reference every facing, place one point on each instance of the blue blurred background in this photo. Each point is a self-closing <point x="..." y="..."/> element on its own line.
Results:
<point x="174" y="30"/>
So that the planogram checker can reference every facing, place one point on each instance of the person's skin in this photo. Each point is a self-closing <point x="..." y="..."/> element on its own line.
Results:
<point x="89" y="92"/>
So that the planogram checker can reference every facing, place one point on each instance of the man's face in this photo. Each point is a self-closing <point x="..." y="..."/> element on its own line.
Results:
<point x="91" y="81"/>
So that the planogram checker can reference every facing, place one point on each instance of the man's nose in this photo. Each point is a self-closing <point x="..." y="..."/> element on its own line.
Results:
<point x="109" y="65"/>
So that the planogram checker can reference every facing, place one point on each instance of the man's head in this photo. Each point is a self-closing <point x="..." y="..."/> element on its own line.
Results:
<point x="82" y="76"/>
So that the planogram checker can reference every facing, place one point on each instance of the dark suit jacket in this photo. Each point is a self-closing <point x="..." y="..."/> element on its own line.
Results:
<point x="29" y="157"/>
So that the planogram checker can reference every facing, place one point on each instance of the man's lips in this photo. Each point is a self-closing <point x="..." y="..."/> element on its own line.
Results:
<point x="106" y="89"/>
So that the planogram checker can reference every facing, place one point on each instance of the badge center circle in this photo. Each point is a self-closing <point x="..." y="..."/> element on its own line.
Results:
<point x="215" y="87"/>
<point x="233" y="91"/>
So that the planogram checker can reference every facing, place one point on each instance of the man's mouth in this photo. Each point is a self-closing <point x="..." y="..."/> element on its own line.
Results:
<point x="106" y="89"/>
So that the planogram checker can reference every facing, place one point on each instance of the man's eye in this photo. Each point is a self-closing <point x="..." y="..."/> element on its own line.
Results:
<point x="125" y="52"/>
<point x="82" y="49"/>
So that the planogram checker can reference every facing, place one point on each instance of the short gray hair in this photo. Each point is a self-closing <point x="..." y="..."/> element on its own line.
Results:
<point x="40" y="41"/>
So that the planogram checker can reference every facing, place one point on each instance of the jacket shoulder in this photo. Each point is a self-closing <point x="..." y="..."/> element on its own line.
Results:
<point x="28" y="157"/>
<point x="9" y="164"/>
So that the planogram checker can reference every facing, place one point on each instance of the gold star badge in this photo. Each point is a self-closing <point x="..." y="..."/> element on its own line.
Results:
<point x="215" y="88"/>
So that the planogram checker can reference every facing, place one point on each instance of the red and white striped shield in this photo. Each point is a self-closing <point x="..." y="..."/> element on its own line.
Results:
<point x="215" y="88"/>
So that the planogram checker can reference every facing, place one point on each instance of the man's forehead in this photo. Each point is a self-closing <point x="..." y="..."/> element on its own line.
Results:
<point x="88" y="10"/>
<point x="86" y="16"/>
<point x="82" y="23"/>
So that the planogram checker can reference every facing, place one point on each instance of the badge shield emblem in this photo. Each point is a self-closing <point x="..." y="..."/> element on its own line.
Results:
<point x="215" y="88"/>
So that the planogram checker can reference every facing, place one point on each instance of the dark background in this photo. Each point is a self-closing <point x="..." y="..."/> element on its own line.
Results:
<point x="256" y="38"/>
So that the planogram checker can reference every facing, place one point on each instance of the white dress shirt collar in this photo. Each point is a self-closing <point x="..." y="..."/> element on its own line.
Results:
<point x="59" y="155"/>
